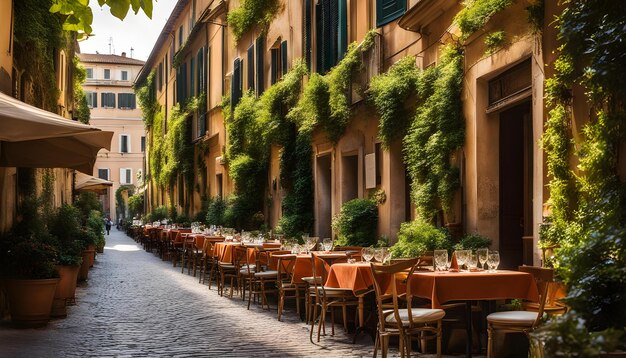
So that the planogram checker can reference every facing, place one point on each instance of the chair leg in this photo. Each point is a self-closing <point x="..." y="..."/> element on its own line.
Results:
<point x="439" y="338"/>
<point x="489" y="340"/>
<point x="281" y="302"/>
<point x="313" y="322"/>
<point x="344" y="311"/>
<point x="322" y="322"/>
<point x="376" y="343"/>
<point x="384" y="345"/>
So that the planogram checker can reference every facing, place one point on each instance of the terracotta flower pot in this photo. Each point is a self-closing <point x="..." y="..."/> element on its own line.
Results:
<point x="83" y="273"/>
<point x="93" y="256"/>
<point x="65" y="291"/>
<point x="30" y="301"/>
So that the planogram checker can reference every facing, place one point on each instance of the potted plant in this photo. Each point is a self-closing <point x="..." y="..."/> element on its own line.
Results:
<point x="27" y="261"/>
<point x="64" y="226"/>
<point x="357" y="223"/>
<point x="418" y="237"/>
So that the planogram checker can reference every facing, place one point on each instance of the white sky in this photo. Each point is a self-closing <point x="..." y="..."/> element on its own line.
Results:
<point x="136" y="31"/>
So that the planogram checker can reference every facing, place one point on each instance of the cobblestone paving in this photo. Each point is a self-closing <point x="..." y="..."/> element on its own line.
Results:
<point x="135" y="305"/>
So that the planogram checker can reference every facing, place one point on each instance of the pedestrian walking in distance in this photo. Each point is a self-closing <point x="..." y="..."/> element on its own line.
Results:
<point x="107" y="224"/>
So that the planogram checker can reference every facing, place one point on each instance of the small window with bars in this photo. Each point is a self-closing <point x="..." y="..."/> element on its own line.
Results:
<point x="107" y="74"/>
<point x="143" y="144"/>
<point x="124" y="75"/>
<point x="103" y="174"/>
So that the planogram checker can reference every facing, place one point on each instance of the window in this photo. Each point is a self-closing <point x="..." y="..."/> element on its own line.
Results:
<point x="201" y="72"/>
<point x="160" y="77"/>
<point x="283" y="58"/>
<point x="171" y="56"/>
<point x="306" y="34"/>
<point x="331" y="33"/>
<point x="259" y="65"/>
<point x="275" y="65"/>
<point x="103" y="174"/>
<point x="124" y="75"/>
<point x="126" y="176"/>
<point x="89" y="73"/>
<point x="107" y="74"/>
<point x="180" y="37"/>
<point x="235" y="86"/>
<point x="389" y="10"/>
<point x="192" y="76"/>
<point x="126" y="101"/>
<point x="251" y="67"/>
<point x="108" y="100"/>
<point x="143" y="144"/>
<point x="124" y="143"/>
<point x="181" y="83"/>
<point x="92" y="99"/>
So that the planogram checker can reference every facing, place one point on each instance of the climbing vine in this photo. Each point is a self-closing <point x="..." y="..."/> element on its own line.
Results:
<point x="147" y="100"/>
<point x="251" y="13"/>
<point x="81" y="106"/>
<point x="494" y="41"/>
<point x="436" y="132"/>
<point x="476" y="13"/>
<point x="37" y="35"/>
<point x="588" y="218"/>
<point x="389" y="93"/>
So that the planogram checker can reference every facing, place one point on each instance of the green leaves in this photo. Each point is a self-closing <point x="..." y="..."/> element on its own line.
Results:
<point x="79" y="16"/>
<point x="252" y="13"/>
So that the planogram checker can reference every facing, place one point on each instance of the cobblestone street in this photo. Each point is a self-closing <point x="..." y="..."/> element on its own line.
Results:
<point x="135" y="305"/>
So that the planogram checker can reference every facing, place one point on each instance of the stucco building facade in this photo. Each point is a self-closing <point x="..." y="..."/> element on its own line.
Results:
<point x="503" y="181"/>
<point x="113" y="107"/>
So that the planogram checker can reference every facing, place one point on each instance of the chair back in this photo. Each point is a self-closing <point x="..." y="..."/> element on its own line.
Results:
<point x="386" y="279"/>
<point x="322" y="264"/>
<point x="285" y="262"/>
<point x="240" y="259"/>
<point x="544" y="279"/>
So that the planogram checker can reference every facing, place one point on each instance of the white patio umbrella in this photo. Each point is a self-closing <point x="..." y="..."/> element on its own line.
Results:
<point x="33" y="138"/>
<point x="86" y="182"/>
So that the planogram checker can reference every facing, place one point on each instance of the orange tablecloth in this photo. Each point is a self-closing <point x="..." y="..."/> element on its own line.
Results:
<point x="462" y="286"/>
<point x="302" y="267"/>
<point x="224" y="250"/>
<point x="357" y="277"/>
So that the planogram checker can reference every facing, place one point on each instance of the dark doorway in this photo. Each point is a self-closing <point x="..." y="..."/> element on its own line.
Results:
<point x="350" y="177"/>
<point x="323" y="195"/>
<point x="516" y="163"/>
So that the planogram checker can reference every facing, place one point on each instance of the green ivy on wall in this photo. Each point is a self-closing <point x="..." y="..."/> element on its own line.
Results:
<point x="147" y="100"/>
<point x="588" y="218"/>
<point x="389" y="93"/>
<point x="83" y="114"/>
<point x="251" y="13"/>
<point x="475" y="15"/>
<point x="37" y="34"/>
<point x="436" y="132"/>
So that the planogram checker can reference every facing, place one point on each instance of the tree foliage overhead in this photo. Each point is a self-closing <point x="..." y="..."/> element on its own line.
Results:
<point x="79" y="15"/>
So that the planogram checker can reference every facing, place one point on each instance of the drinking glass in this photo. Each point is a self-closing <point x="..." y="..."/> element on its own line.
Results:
<point x="461" y="258"/>
<point x="380" y="254"/>
<point x="327" y="244"/>
<point x="493" y="260"/>
<point x="472" y="261"/>
<point x="387" y="255"/>
<point x="312" y="242"/>
<point x="441" y="259"/>
<point x="295" y="249"/>
<point x="482" y="256"/>
<point x="367" y="253"/>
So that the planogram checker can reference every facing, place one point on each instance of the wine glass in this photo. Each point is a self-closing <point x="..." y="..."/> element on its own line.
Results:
<point x="386" y="255"/>
<point x="482" y="256"/>
<point x="493" y="260"/>
<point x="327" y="244"/>
<point x="311" y="242"/>
<point x="380" y="254"/>
<point x="367" y="253"/>
<point x="461" y="258"/>
<point x="472" y="261"/>
<point x="441" y="259"/>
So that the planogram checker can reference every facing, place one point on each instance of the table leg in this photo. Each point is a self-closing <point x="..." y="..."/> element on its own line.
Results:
<point x="361" y="319"/>
<point x="468" y="329"/>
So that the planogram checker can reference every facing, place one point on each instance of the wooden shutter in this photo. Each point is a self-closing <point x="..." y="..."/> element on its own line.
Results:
<point x="307" y="33"/>
<point x="389" y="10"/>
<point x="342" y="36"/>
<point x="251" y="67"/>
<point x="283" y="59"/>
<point x="192" y="76"/>
<point x="235" y="86"/>
<point x="260" y="80"/>
<point x="274" y="66"/>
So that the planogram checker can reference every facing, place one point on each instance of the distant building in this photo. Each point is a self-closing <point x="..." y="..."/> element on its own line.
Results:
<point x="113" y="105"/>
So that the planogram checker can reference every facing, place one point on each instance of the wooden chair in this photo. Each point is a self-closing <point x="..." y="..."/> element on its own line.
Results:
<point x="208" y="262"/>
<point x="403" y="322"/>
<point x="227" y="270"/>
<point x="264" y="278"/>
<point x="287" y="288"/>
<point x="521" y="321"/>
<point x="327" y="298"/>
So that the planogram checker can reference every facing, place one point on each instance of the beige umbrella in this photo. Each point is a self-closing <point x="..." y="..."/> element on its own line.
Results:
<point x="33" y="138"/>
<point x="86" y="182"/>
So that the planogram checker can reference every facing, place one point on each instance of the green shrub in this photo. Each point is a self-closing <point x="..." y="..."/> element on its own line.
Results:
<point x="158" y="214"/>
<point x="417" y="237"/>
<point x="357" y="223"/>
<point x="94" y="229"/>
<point x="86" y="202"/>
<point x="215" y="211"/>
<point x="473" y="242"/>
<point x="64" y="225"/>
<point x="135" y="205"/>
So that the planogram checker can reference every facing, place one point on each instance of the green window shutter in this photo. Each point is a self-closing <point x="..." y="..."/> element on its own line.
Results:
<point x="133" y="101"/>
<point x="235" y="86"/>
<point x="260" y="80"/>
<point x="283" y="60"/>
<point x="112" y="98"/>
<point x="251" y="67"/>
<point x="274" y="68"/>
<point x="307" y="33"/>
<point x="389" y="10"/>
<point x="342" y="38"/>
<point x="95" y="100"/>
<point x="192" y="76"/>
<point x="183" y="85"/>
<point x="319" y="32"/>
